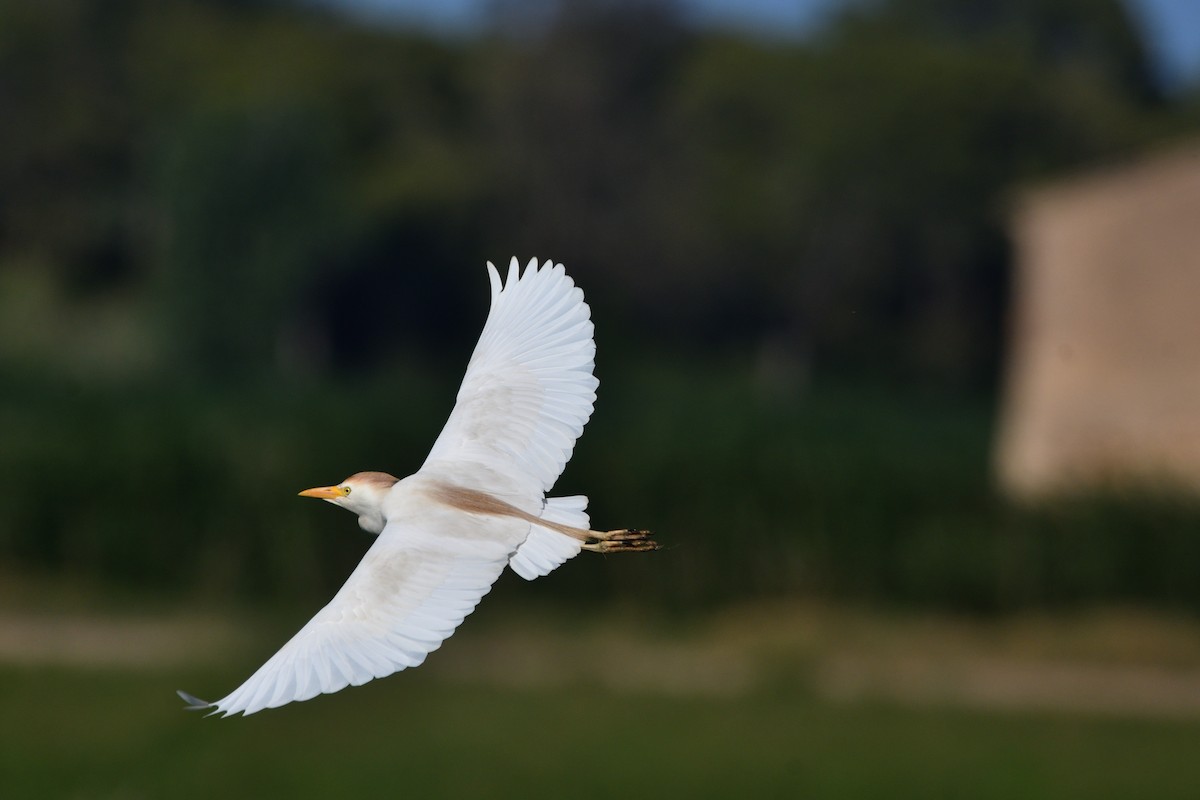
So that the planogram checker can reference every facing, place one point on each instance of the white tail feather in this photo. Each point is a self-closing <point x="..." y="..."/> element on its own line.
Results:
<point x="544" y="550"/>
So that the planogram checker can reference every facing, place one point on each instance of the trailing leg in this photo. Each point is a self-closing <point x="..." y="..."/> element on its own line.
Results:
<point x="624" y="540"/>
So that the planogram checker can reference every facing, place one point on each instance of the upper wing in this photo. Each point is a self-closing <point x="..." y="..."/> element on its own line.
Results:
<point x="529" y="386"/>
<point x="413" y="587"/>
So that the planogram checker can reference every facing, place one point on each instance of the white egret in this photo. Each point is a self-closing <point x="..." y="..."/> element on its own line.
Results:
<point x="478" y="503"/>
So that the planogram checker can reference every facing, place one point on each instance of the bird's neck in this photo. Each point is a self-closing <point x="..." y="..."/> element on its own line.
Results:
<point x="372" y="521"/>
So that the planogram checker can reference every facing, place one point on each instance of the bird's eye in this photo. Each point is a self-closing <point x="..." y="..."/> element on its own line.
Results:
<point x="346" y="491"/>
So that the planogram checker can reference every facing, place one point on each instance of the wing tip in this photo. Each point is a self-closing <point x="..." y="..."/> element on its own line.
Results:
<point x="196" y="704"/>
<point x="516" y="274"/>
<point x="494" y="280"/>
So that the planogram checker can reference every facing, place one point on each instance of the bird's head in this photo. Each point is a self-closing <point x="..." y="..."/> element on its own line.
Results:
<point x="362" y="494"/>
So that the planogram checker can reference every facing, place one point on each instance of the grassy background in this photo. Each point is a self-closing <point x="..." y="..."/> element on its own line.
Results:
<point x="108" y="734"/>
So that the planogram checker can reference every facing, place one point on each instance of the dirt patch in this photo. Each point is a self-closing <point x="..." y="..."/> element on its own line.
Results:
<point x="1011" y="684"/>
<point x="1111" y="662"/>
<point x="85" y="641"/>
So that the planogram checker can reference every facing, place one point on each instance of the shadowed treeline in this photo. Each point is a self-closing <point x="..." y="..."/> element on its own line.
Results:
<point x="241" y="249"/>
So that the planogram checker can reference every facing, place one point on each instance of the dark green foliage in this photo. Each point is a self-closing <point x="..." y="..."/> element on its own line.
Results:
<point x="846" y="197"/>
<point x="220" y="223"/>
<point x="250" y="203"/>
<point x="857" y="491"/>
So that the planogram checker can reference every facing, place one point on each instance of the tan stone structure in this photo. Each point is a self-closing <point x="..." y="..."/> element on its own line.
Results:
<point x="1103" y="384"/>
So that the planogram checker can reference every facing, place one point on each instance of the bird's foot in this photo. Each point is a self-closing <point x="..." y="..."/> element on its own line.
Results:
<point x="622" y="541"/>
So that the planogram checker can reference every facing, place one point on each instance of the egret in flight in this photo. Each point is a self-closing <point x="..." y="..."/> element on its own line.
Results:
<point x="478" y="503"/>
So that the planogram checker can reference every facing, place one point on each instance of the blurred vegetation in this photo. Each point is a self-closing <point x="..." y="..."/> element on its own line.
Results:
<point x="235" y="239"/>
<point x="462" y="741"/>
<point x="866" y="493"/>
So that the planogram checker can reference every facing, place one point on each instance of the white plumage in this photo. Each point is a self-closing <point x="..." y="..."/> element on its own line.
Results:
<point x="477" y="503"/>
<point x="529" y="387"/>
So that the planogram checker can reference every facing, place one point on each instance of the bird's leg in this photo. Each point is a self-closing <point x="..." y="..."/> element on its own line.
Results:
<point x="624" y="540"/>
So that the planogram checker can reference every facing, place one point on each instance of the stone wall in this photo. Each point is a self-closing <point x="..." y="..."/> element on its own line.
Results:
<point x="1103" y="383"/>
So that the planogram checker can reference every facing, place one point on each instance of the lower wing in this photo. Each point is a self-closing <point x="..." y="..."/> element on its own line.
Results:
<point x="412" y="589"/>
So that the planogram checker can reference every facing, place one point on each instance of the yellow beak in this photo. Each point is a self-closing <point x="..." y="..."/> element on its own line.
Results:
<point x="325" y="492"/>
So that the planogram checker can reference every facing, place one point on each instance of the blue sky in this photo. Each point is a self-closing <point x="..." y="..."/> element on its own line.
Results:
<point x="1172" y="26"/>
<point x="1173" y="30"/>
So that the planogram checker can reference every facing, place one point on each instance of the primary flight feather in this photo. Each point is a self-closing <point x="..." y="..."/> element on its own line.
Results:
<point x="478" y="502"/>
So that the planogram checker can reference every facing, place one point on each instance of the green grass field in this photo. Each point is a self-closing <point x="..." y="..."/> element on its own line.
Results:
<point x="121" y="734"/>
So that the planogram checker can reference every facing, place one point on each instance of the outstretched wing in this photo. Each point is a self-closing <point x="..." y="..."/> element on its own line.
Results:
<point x="529" y="387"/>
<point x="413" y="587"/>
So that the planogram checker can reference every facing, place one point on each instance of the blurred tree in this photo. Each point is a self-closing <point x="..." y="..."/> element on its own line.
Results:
<point x="866" y="177"/>
<point x="839" y="201"/>
<point x="338" y="156"/>
<point x="1098" y="37"/>
<point x="937" y="110"/>
<point x="65" y="139"/>
<point x="277" y="184"/>
<point x="584" y="167"/>
<point x="249" y="202"/>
